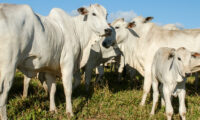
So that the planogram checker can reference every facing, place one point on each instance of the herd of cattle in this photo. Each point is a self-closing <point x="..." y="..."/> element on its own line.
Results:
<point x="59" y="45"/>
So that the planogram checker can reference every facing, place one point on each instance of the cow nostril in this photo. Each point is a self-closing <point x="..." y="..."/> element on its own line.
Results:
<point x="104" y="44"/>
<point x="108" y="31"/>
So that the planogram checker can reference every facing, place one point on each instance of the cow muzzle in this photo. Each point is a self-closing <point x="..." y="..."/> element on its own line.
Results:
<point x="107" y="32"/>
<point x="104" y="44"/>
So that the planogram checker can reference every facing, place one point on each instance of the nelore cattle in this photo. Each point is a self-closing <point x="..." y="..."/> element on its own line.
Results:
<point x="52" y="44"/>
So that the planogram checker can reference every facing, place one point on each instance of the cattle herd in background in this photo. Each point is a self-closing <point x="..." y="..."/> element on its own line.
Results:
<point x="59" y="45"/>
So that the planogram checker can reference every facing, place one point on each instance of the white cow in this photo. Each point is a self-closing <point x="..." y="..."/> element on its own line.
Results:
<point x="94" y="55"/>
<point x="51" y="44"/>
<point x="100" y="57"/>
<point x="170" y="27"/>
<point x="170" y="67"/>
<point x="174" y="27"/>
<point x="142" y="41"/>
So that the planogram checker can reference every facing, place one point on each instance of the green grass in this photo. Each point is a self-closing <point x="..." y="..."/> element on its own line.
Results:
<point x="110" y="101"/>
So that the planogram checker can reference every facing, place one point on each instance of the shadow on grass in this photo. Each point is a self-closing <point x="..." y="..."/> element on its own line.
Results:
<point x="17" y="87"/>
<point x="78" y="92"/>
<point x="127" y="83"/>
<point x="110" y="78"/>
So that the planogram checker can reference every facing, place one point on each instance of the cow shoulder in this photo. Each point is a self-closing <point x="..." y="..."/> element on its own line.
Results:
<point x="57" y="12"/>
<point x="15" y="9"/>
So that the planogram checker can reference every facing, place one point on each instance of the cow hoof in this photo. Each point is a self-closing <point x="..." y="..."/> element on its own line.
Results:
<point x="151" y="114"/>
<point x="142" y="104"/>
<point x="24" y="97"/>
<point x="54" y="111"/>
<point x="69" y="115"/>
<point x="3" y="114"/>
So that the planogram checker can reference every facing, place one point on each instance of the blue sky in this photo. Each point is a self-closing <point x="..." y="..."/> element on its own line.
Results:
<point x="184" y="13"/>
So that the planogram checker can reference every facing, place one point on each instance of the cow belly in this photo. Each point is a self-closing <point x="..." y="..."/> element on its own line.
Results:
<point x="34" y="63"/>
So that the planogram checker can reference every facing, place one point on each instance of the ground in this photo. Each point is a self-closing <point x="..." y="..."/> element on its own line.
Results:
<point x="112" y="100"/>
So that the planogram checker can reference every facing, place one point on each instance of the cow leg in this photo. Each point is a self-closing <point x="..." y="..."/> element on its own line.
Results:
<point x="120" y="69"/>
<point x="99" y="73"/>
<point x="67" y="75"/>
<point x="167" y="96"/>
<point x="26" y="86"/>
<point x="155" y="95"/>
<point x="161" y="94"/>
<point x="115" y="67"/>
<point x="181" y="96"/>
<point x="146" y="87"/>
<point x="6" y="78"/>
<point x="132" y="73"/>
<point x="77" y="79"/>
<point x="45" y="86"/>
<point x="42" y="79"/>
<point x="88" y="75"/>
<point x="51" y="83"/>
<point x="196" y="80"/>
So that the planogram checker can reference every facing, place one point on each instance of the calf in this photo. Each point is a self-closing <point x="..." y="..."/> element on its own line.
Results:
<point x="170" y="67"/>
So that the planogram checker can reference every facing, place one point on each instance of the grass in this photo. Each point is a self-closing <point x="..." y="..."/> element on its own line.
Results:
<point x="110" y="101"/>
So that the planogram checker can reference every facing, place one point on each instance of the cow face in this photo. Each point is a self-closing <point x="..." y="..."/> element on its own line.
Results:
<point x="95" y="16"/>
<point x="120" y="32"/>
<point x="185" y="61"/>
<point x="140" y="21"/>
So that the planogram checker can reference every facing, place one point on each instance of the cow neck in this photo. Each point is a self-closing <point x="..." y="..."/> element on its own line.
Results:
<point x="143" y="30"/>
<point x="130" y="51"/>
<point x="84" y="33"/>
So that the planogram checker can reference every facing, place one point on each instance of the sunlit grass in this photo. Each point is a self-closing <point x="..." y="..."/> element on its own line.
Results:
<point x="110" y="101"/>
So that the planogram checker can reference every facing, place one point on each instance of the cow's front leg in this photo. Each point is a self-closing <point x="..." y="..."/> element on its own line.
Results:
<point x="155" y="95"/>
<point x="51" y="83"/>
<point x="99" y="74"/>
<point x="26" y="86"/>
<point x="167" y="96"/>
<point x="67" y="75"/>
<point x="161" y="94"/>
<point x="42" y="79"/>
<point x="181" y="96"/>
<point x="147" y="86"/>
<point x="88" y="75"/>
<point x="6" y="80"/>
<point x="77" y="79"/>
<point x="196" y="80"/>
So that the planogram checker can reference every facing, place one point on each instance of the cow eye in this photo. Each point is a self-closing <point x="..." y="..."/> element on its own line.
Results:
<point x="193" y="56"/>
<point x="179" y="58"/>
<point x="94" y="14"/>
<point x="117" y="27"/>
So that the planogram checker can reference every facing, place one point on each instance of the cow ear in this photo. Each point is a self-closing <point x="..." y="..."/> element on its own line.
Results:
<point x="171" y="54"/>
<point x="131" y="25"/>
<point x="195" y="54"/>
<point x="148" y="19"/>
<point x="121" y="19"/>
<point x="82" y="11"/>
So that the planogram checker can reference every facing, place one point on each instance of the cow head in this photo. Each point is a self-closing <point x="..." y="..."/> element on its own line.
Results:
<point x="139" y="20"/>
<point x="185" y="61"/>
<point x="120" y="32"/>
<point x="95" y="15"/>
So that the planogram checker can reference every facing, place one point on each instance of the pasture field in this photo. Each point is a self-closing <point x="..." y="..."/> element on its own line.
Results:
<point x="109" y="101"/>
